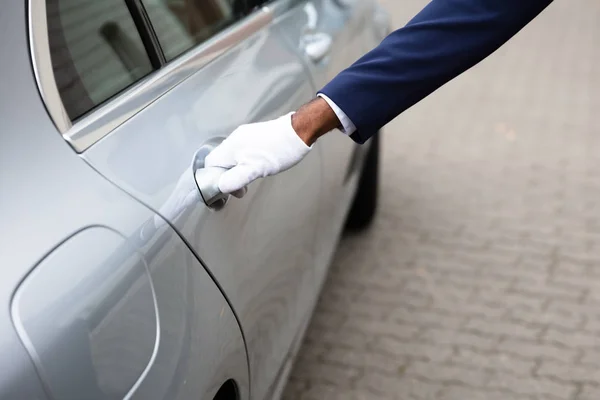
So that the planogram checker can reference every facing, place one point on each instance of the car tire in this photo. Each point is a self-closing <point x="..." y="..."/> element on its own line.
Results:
<point x="364" y="205"/>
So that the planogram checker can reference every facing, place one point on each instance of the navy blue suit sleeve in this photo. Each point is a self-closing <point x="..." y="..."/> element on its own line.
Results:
<point x="445" y="39"/>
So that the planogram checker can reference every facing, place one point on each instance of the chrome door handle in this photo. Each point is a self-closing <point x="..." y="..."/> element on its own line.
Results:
<point x="207" y="180"/>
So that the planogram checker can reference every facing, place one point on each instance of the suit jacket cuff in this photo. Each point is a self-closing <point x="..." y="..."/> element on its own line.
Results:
<point x="348" y="126"/>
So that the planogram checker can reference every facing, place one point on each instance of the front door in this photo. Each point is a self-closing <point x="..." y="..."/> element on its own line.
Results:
<point x="217" y="69"/>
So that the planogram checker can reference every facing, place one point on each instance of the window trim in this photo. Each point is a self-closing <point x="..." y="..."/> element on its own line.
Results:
<point x="147" y="34"/>
<point x="89" y="129"/>
<point x="41" y="60"/>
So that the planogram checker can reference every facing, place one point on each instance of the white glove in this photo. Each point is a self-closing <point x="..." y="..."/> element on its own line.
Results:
<point x="255" y="151"/>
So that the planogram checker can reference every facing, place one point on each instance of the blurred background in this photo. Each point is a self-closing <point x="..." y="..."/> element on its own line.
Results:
<point x="480" y="278"/>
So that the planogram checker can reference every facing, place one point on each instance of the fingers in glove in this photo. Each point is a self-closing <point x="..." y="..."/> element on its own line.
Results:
<point x="220" y="157"/>
<point x="240" y="193"/>
<point x="237" y="178"/>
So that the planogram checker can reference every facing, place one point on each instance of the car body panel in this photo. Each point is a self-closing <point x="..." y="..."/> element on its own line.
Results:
<point x="49" y="194"/>
<point x="200" y="345"/>
<point x="87" y="315"/>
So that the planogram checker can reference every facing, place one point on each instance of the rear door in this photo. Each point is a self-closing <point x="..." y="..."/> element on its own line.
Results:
<point x="218" y="68"/>
<point x="110" y="302"/>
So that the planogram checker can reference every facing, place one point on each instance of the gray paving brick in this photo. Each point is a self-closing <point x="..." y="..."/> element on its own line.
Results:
<point x="342" y="338"/>
<point x="389" y="299"/>
<point x="367" y="360"/>
<point x="425" y="318"/>
<point x="541" y="288"/>
<point x="420" y="351"/>
<point x="377" y="328"/>
<point x="357" y="308"/>
<point x="589" y="393"/>
<point x="511" y="300"/>
<point x="473" y="308"/>
<point x="569" y="373"/>
<point x="320" y="392"/>
<point x="574" y="281"/>
<point x="398" y="387"/>
<point x="548" y="318"/>
<point x="574" y="309"/>
<point x="463" y="393"/>
<point x="569" y="269"/>
<point x="578" y="339"/>
<point x="480" y="277"/>
<point x="448" y="374"/>
<point x="532" y="386"/>
<point x="494" y="361"/>
<point x="504" y="328"/>
<point x="591" y="357"/>
<point x="326" y="373"/>
<point x="536" y="350"/>
<point x="442" y="337"/>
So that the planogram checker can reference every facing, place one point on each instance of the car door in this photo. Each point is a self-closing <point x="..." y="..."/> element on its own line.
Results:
<point x="104" y="296"/>
<point x="329" y="36"/>
<point x="218" y="67"/>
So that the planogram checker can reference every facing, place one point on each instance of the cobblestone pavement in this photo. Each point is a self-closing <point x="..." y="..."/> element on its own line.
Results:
<point x="480" y="278"/>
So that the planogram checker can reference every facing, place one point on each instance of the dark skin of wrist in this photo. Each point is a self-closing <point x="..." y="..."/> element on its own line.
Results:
<point x="313" y="120"/>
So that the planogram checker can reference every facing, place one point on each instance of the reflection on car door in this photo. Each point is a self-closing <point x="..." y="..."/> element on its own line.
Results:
<point x="260" y="249"/>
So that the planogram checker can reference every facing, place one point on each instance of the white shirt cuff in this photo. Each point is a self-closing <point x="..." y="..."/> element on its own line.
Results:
<point x="348" y="126"/>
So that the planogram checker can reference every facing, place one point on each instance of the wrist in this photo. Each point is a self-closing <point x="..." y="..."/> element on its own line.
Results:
<point x="313" y="120"/>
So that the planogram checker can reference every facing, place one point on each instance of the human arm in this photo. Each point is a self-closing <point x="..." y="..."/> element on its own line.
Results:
<point x="445" y="39"/>
<point x="441" y="42"/>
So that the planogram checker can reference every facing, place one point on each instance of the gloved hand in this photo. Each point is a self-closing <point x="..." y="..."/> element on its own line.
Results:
<point x="255" y="151"/>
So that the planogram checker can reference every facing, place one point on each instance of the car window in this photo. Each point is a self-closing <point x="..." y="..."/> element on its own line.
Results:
<point x="182" y="24"/>
<point x="96" y="51"/>
<point x="252" y="4"/>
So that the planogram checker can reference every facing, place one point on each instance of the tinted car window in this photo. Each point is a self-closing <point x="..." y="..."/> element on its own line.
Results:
<point x="96" y="51"/>
<point x="182" y="24"/>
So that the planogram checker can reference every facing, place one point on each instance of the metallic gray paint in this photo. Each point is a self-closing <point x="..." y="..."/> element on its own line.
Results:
<point x="48" y="194"/>
<point x="88" y="316"/>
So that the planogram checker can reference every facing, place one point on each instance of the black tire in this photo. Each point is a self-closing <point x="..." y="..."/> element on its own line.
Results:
<point x="364" y="205"/>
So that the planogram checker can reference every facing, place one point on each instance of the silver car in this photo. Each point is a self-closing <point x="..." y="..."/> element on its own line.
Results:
<point x="125" y="274"/>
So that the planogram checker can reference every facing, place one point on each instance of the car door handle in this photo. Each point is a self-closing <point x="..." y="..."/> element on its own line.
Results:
<point x="317" y="45"/>
<point x="207" y="180"/>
